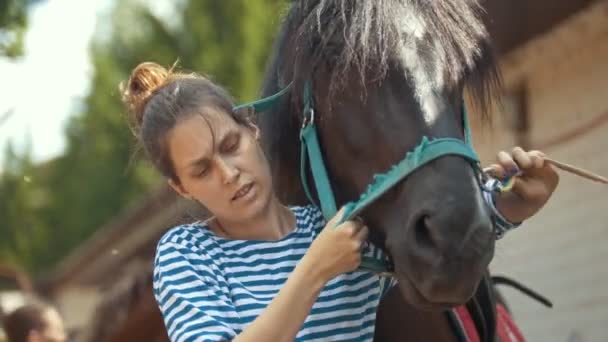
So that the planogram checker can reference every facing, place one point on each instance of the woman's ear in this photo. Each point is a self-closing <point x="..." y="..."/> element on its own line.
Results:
<point x="253" y="128"/>
<point x="248" y="114"/>
<point x="256" y="130"/>
<point x="179" y="188"/>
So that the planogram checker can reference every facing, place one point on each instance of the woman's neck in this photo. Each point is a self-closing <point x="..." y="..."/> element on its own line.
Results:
<point x="271" y="224"/>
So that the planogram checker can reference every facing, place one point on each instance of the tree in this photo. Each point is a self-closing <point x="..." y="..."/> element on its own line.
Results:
<point x="21" y="199"/>
<point x="97" y="178"/>
<point x="13" y="23"/>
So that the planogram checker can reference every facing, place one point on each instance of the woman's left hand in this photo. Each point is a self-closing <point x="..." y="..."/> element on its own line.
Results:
<point x="535" y="182"/>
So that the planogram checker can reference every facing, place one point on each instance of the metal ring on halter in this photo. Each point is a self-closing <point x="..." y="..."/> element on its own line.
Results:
<point x="498" y="185"/>
<point x="309" y="119"/>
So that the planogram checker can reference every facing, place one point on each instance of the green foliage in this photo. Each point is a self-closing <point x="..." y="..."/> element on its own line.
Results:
<point x="61" y="203"/>
<point x="13" y="22"/>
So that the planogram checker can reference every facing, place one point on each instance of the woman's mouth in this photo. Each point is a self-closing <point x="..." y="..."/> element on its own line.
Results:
<point x="243" y="191"/>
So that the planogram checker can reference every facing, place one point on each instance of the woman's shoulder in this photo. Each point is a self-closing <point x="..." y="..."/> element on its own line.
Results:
<point x="186" y="238"/>
<point x="185" y="255"/>
<point x="186" y="233"/>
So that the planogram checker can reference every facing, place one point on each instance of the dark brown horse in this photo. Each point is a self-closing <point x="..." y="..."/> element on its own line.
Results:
<point x="384" y="73"/>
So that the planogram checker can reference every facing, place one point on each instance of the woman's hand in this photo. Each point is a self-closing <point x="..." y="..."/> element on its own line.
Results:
<point x="535" y="181"/>
<point x="337" y="249"/>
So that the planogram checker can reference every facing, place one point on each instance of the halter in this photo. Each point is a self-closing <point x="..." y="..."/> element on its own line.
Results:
<point x="427" y="150"/>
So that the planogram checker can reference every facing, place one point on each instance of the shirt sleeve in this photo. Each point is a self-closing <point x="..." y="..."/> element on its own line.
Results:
<point x="501" y="224"/>
<point x="189" y="296"/>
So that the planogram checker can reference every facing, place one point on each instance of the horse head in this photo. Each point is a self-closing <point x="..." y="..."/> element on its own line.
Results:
<point x="384" y="74"/>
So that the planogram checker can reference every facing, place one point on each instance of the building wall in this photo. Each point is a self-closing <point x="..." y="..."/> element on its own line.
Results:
<point x="562" y="251"/>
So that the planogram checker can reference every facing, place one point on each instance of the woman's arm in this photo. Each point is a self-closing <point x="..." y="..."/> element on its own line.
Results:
<point x="336" y="250"/>
<point x="283" y="318"/>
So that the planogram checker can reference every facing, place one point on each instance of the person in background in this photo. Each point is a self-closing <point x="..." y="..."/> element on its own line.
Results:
<point x="34" y="322"/>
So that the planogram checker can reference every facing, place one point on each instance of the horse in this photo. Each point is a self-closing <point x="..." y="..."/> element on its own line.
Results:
<point x="380" y="76"/>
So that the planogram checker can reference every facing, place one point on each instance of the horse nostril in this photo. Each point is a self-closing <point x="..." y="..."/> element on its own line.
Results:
<point x="422" y="232"/>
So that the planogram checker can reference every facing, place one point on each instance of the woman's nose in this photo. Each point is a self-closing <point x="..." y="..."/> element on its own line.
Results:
<point x="229" y="172"/>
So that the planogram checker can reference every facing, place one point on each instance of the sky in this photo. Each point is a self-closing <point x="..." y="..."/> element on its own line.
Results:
<point x="42" y="89"/>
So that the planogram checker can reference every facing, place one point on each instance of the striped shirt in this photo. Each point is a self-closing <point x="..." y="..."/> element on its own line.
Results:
<point x="210" y="288"/>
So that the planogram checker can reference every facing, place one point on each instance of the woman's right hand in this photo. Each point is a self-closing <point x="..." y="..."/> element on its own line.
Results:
<point x="337" y="249"/>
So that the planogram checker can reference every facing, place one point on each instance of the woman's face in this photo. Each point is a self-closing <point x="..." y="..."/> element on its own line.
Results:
<point x="220" y="164"/>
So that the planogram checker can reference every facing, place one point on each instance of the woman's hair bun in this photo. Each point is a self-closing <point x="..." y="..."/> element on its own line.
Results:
<point x="145" y="79"/>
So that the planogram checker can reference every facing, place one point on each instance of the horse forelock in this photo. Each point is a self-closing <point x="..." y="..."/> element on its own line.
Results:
<point x="438" y="44"/>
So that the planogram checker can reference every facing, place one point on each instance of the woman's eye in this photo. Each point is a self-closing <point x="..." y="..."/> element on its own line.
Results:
<point x="233" y="144"/>
<point x="203" y="172"/>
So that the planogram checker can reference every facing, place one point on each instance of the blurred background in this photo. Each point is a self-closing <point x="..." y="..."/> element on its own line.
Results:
<point x="81" y="211"/>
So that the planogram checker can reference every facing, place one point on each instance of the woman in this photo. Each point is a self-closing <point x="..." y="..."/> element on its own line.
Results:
<point x="258" y="270"/>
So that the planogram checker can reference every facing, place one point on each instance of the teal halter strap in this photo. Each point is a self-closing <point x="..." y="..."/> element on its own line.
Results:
<point x="426" y="151"/>
<point x="266" y="103"/>
<point x="311" y="150"/>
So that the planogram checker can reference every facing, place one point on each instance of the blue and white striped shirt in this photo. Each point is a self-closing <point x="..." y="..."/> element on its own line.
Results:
<point x="210" y="288"/>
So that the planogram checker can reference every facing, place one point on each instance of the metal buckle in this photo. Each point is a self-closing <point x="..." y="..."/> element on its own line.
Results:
<point x="308" y="119"/>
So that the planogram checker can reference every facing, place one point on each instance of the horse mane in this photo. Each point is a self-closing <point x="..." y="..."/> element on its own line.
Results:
<point x="364" y="38"/>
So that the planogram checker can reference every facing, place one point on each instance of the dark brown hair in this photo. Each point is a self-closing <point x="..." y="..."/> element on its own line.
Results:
<point x="158" y="99"/>
<point x="19" y="323"/>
